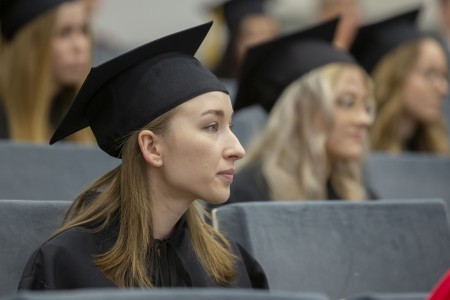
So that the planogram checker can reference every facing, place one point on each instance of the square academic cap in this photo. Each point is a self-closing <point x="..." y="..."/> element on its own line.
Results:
<point x="235" y="10"/>
<point x="129" y="91"/>
<point x="270" y="67"/>
<point x="14" y="14"/>
<point x="373" y="41"/>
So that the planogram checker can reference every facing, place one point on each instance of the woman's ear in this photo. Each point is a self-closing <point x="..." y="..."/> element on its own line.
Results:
<point x="149" y="143"/>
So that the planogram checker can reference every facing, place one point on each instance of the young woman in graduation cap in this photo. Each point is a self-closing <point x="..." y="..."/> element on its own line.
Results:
<point x="410" y="73"/>
<point x="168" y="119"/>
<point x="45" y="50"/>
<point x="319" y="102"/>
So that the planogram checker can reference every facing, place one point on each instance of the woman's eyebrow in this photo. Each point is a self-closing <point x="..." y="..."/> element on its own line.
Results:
<point x="216" y="112"/>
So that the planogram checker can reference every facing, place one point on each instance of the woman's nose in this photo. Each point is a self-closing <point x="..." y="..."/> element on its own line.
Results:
<point x="234" y="151"/>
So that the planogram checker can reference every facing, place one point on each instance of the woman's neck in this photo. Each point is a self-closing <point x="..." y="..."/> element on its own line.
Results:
<point x="165" y="217"/>
<point x="407" y="127"/>
<point x="167" y="208"/>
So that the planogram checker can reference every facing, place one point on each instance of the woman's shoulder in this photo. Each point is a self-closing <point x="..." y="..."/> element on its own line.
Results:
<point x="63" y="260"/>
<point x="74" y="241"/>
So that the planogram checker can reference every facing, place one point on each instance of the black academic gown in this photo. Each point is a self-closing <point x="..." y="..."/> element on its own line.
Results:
<point x="4" y="132"/>
<point x="250" y="185"/>
<point x="66" y="262"/>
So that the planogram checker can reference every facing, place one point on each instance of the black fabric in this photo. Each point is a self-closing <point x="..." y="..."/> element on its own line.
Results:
<point x="331" y="192"/>
<point x="14" y="14"/>
<point x="4" y="131"/>
<point x="270" y="67"/>
<point x="412" y="144"/>
<point x="375" y="40"/>
<point x="249" y="185"/>
<point x="66" y="262"/>
<point x="131" y="90"/>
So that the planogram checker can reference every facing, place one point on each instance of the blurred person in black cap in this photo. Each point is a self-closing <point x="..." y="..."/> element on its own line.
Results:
<point x="248" y="24"/>
<point x="410" y="73"/>
<point x="350" y="13"/>
<point x="105" y="45"/>
<point x="44" y="56"/>
<point x="168" y="119"/>
<point x="319" y="102"/>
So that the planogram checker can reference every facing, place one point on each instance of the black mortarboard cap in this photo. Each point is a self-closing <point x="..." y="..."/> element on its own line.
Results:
<point x="270" y="67"/>
<point x="235" y="10"/>
<point x="128" y="92"/>
<point x="373" y="41"/>
<point x="14" y="14"/>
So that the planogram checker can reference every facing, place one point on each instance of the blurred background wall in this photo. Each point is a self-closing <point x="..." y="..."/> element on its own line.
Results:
<point x="133" y="22"/>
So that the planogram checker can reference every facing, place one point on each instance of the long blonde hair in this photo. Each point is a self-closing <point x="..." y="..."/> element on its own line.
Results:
<point x="25" y="82"/>
<point x="389" y="76"/>
<point x="125" y="192"/>
<point x="291" y="148"/>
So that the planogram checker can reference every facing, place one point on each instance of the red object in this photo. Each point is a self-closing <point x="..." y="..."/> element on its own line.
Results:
<point x="441" y="290"/>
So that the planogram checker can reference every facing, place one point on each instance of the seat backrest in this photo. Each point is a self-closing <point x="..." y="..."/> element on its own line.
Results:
<point x="446" y="112"/>
<point x="408" y="176"/>
<point x="167" y="294"/>
<point x="45" y="172"/>
<point x="24" y="226"/>
<point x="399" y="296"/>
<point x="343" y="248"/>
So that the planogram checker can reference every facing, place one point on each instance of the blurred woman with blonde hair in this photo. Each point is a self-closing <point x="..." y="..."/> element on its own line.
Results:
<point x="320" y="108"/>
<point x="410" y="73"/>
<point x="45" y="52"/>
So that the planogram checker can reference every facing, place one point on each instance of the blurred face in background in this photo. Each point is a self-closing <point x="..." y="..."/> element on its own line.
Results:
<point x="444" y="15"/>
<point x="427" y="83"/>
<point x="254" y="29"/>
<point x="71" y="48"/>
<point x="352" y="116"/>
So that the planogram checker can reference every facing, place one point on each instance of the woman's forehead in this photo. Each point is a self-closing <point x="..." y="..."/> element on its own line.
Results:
<point x="206" y="102"/>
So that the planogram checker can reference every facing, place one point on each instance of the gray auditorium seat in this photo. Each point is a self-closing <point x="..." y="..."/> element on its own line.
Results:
<point x="446" y="113"/>
<point x="24" y="226"/>
<point x="343" y="248"/>
<point x="47" y="172"/>
<point x="400" y="296"/>
<point x="167" y="294"/>
<point x="408" y="176"/>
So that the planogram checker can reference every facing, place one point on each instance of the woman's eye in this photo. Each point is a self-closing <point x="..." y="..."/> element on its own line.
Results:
<point x="346" y="101"/>
<point x="213" y="127"/>
<point x="64" y="32"/>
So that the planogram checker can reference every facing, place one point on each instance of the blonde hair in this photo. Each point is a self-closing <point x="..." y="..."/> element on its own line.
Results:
<point x="389" y="76"/>
<point x="292" y="149"/>
<point x="25" y="82"/>
<point x="125" y="193"/>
